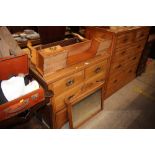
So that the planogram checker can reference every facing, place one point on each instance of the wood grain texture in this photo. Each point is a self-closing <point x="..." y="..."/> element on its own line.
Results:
<point x="127" y="47"/>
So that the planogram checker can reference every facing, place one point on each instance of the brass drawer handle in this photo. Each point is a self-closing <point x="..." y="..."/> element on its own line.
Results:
<point x="98" y="69"/>
<point x="70" y="82"/>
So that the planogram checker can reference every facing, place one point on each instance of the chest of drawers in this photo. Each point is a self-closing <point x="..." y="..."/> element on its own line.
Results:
<point x="73" y="81"/>
<point x="86" y="68"/>
<point x="128" y="45"/>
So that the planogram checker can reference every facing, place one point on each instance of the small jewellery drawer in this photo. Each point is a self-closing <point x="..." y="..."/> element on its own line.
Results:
<point x="59" y="101"/>
<point x="95" y="69"/>
<point x="67" y="83"/>
<point x="125" y="39"/>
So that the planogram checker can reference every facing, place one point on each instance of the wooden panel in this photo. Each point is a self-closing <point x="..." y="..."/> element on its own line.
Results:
<point x="78" y="48"/>
<point x="95" y="69"/>
<point x="127" y="54"/>
<point x="126" y="59"/>
<point x="59" y="101"/>
<point x="112" y="88"/>
<point x="61" y="118"/>
<point x="136" y="47"/>
<point x="117" y="81"/>
<point x="121" y="67"/>
<point x="95" y="79"/>
<point x="142" y="34"/>
<point x="125" y="39"/>
<point x="67" y="83"/>
<point x="51" y="59"/>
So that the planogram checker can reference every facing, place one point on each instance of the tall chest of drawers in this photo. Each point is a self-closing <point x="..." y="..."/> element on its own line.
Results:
<point x="128" y="45"/>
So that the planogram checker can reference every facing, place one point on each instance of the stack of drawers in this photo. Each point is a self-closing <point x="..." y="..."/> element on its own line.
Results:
<point x="127" y="46"/>
<point x="127" y="50"/>
<point x="73" y="81"/>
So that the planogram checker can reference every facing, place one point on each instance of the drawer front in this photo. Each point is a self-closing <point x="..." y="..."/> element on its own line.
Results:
<point x="67" y="83"/>
<point x="121" y="67"/>
<point x="131" y="70"/>
<point x="142" y="34"/>
<point x="122" y="55"/>
<point x="132" y="49"/>
<point x="139" y="46"/>
<point x="125" y="39"/>
<point x="95" y="69"/>
<point x="117" y="81"/>
<point x="59" y="101"/>
<point x="130" y="58"/>
<point x="113" y="87"/>
<point x="95" y="79"/>
<point x="61" y="118"/>
<point x="123" y="73"/>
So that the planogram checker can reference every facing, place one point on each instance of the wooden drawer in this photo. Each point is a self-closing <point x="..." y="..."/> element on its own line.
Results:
<point x="142" y="34"/>
<point x="122" y="55"/>
<point x="95" y="69"/>
<point x="114" y="80"/>
<point x="113" y="87"/>
<point x="131" y="70"/>
<point x="117" y="81"/>
<point x="59" y="101"/>
<point x="132" y="57"/>
<point x="121" y="67"/>
<point x="61" y="118"/>
<point x="67" y="83"/>
<point x="125" y="39"/>
<point x="133" y="48"/>
<point x="95" y="79"/>
<point x="139" y="46"/>
<point x="135" y="58"/>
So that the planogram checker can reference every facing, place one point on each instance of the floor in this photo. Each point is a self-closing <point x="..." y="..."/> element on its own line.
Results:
<point x="132" y="107"/>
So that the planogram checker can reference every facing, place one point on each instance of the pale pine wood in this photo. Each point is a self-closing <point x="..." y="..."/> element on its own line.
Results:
<point x="127" y="47"/>
<point x="95" y="69"/>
